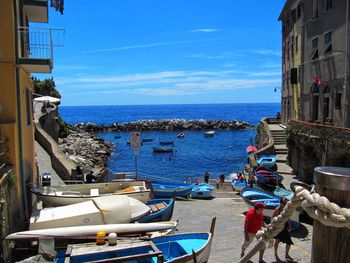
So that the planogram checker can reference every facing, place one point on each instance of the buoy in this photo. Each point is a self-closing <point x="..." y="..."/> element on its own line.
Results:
<point x="112" y="239"/>
<point x="100" y="238"/>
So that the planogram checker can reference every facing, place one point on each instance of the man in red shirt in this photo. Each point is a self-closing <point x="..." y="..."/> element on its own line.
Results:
<point x="254" y="220"/>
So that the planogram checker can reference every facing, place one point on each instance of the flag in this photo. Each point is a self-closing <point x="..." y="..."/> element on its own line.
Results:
<point x="317" y="80"/>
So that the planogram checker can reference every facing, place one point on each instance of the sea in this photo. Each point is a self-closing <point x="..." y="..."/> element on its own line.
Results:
<point x="224" y="153"/>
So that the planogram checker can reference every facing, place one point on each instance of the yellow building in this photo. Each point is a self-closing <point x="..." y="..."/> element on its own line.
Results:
<point x="23" y="50"/>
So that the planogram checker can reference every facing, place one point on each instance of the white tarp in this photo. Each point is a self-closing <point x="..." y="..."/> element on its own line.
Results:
<point x="48" y="99"/>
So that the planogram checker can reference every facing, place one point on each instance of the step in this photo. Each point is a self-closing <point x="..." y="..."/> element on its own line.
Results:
<point x="281" y="158"/>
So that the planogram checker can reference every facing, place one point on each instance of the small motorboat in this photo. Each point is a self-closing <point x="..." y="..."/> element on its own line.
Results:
<point x="166" y="142"/>
<point x="251" y="148"/>
<point x="177" y="248"/>
<point x="75" y="193"/>
<point x="181" y="135"/>
<point x="283" y="193"/>
<point x="209" y="134"/>
<point x="112" y="209"/>
<point x="251" y="196"/>
<point x="147" y="140"/>
<point x="169" y="190"/>
<point x="267" y="161"/>
<point x="117" y="137"/>
<point x="160" y="210"/>
<point x="267" y="179"/>
<point x="202" y="191"/>
<point x="239" y="184"/>
<point x="162" y="150"/>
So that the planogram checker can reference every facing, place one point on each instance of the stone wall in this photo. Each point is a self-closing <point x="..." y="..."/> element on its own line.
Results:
<point x="310" y="145"/>
<point x="49" y="123"/>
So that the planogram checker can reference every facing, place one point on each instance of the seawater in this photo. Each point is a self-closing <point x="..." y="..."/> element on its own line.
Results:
<point x="224" y="153"/>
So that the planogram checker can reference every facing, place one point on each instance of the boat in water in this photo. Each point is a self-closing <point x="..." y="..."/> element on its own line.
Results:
<point x="209" y="134"/>
<point x="202" y="191"/>
<point x="162" y="150"/>
<point x="177" y="248"/>
<point x="147" y="140"/>
<point x="165" y="189"/>
<point x="251" y="196"/>
<point x="166" y="142"/>
<point x="111" y="209"/>
<point x="181" y="135"/>
<point x="75" y="193"/>
<point x="160" y="210"/>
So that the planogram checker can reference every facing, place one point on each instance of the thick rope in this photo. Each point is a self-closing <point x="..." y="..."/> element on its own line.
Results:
<point x="318" y="207"/>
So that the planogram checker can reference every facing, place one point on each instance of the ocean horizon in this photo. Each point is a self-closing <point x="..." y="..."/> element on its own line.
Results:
<point x="225" y="153"/>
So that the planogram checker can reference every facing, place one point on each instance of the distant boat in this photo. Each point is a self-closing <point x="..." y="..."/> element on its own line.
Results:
<point x="147" y="140"/>
<point x="181" y="135"/>
<point x="202" y="191"/>
<point x="166" y="142"/>
<point x="162" y="150"/>
<point x="251" y="196"/>
<point x="160" y="210"/>
<point x="117" y="137"/>
<point x="209" y="134"/>
<point x="267" y="161"/>
<point x="163" y="189"/>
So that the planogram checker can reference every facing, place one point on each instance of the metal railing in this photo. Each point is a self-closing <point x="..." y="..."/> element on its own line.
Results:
<point x="39" y="42"/>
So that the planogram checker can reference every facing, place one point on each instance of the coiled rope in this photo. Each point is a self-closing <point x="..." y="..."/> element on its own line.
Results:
<point x="318" y="207"/>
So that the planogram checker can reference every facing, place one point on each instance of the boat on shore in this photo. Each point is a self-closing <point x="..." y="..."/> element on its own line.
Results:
<point x="267" y="179"/>
<point x="75" y="193"/>
<point x="267" y="161"/>
<point x="160" y="210"/>
<point x="251" y="196"/>
<point x="162" y="150"/>
<point x="177" y="248"/>
<point x="112" y="209"/>
<point x="251" y="149"/>
<point x="209" y="134"/>
<point x="203" y="190"/>
<point x="164" y="189"/>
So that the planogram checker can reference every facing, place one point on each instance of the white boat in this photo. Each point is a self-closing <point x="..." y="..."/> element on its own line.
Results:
<point x="79" y="232"/>
<point x="76" y="193"/>
<point x="112" y="209"/>
<point x="209" y="134"/>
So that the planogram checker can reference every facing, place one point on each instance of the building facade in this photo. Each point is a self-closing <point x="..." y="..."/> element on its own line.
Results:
<point x="319" y="75"/>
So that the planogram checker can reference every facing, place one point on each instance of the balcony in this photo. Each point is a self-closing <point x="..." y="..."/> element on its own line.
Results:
<point x="36" y="10"/>
<point x="35" y="47"/>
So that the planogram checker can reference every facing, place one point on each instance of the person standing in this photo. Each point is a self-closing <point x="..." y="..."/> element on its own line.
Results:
<point x="222" y="179"/>
<point x="253" y="222"/>
<point x="206" y="177"/>
<point x="284" y="235"/>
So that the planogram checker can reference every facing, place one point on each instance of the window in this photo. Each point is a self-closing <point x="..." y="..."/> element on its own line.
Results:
<point x="327" y="89"/>
<point x="338" y="101"/>
<point x="315" y="8"/>
<point x="314" y="50"/>
<point x="294" y="76"/>
<point x="329" y="4"/>
<point x="327" y="42"/>
<point x="299" y="11"/>
<point x="296" y="44"/>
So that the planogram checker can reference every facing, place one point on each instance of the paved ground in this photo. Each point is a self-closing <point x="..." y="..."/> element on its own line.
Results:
<point x="196" y="215"/>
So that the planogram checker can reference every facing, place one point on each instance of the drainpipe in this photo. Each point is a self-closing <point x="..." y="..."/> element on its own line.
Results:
<point x="346" y="65"/>
<point x="21" y="176"/>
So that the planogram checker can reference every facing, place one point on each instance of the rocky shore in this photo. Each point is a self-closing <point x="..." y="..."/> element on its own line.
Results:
<point x="164" y="125"/>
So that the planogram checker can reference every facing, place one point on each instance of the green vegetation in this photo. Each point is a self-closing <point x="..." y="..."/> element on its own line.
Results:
<point x="46" y="87"/>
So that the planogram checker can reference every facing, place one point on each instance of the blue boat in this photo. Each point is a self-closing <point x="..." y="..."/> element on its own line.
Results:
<point x="202" y="191"/>
<point x="239" y="184"/>
<point x="179" y="248"/>
<point x="251" y="196"/>
<point x="267" y="161"/>
<point x="169" y="190"/>
<point x="161" y="210"/>
<point x="267" y="179"/>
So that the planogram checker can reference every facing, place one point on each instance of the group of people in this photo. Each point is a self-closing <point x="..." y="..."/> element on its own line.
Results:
<point x="254" y="221"/>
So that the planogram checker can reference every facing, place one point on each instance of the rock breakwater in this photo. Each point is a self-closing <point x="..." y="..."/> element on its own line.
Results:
<point x="165" y="125"/>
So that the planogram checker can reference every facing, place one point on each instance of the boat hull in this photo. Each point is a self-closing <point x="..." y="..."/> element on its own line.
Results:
<point x="267" y="161"/>
<point x="169" y="190"/>
<point x="204" y="191"/>
<point x="163" y="214"/>
<point x="72" y="194"/>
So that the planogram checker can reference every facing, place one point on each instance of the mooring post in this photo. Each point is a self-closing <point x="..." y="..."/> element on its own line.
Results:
<point x="331" y="244"/>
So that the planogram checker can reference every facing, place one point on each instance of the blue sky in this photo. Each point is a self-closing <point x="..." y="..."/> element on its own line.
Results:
<point x="133" y="52"/>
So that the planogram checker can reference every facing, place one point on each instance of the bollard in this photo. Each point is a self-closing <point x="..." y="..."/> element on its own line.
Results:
<point x="331" y="244"/>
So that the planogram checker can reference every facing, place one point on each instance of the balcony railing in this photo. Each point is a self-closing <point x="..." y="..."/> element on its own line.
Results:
<point x="36" y="48"/>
